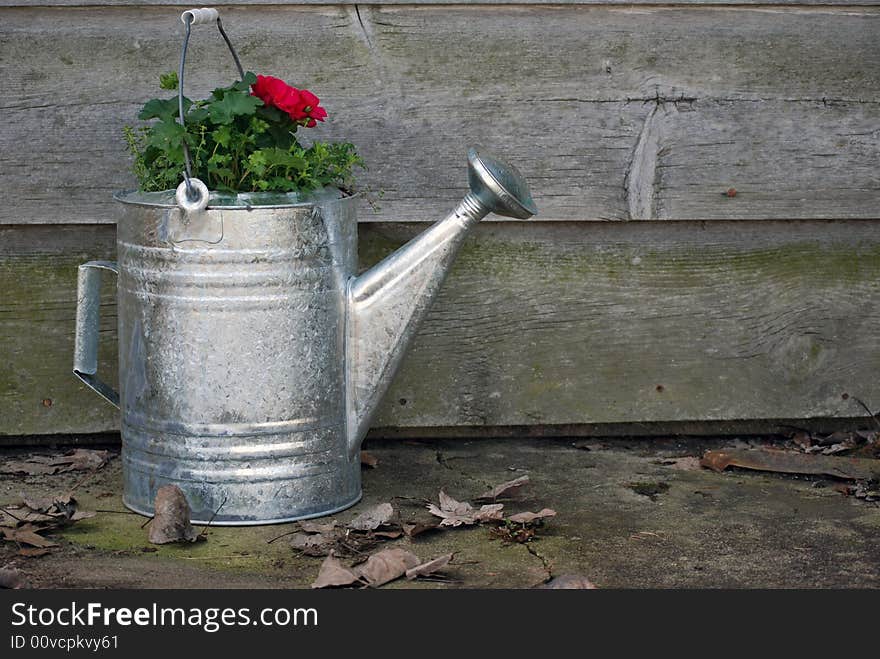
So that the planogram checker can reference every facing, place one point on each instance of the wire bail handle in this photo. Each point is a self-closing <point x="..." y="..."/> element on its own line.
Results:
<point x="192" y="194"/>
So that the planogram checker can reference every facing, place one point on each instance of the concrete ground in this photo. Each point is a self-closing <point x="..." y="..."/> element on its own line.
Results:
<point x="624" y="521"/>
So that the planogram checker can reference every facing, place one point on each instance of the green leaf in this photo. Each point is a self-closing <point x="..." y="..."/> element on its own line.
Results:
<point x="244" y="85"/>
<point x="232" y="105"/>
<point x="169" y="81"/>
<point x="223" y="135"/>
<point x="197" y="115"/>
<point x="166" y="135"/>
<point x="276" y="157"/>
<point x="163" y="109"/>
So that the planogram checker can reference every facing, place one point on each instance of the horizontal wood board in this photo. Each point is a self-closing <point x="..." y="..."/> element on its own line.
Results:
<point x="612" y="113"/>
<point x="541" y="325"/>
<point x="187" y="4"/>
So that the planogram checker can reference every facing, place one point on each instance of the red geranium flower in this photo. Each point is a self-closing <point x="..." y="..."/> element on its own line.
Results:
<point x="300" y="104"/>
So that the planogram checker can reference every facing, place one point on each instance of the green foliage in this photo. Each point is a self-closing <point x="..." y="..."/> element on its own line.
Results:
<point x="169" y="81"/>
<point x="237" y="144"/>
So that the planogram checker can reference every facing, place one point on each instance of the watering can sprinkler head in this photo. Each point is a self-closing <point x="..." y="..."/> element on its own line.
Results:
<point x="500" y="187"/>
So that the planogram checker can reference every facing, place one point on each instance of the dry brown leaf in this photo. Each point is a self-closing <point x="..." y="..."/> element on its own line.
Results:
<point x="77" y="460"/>
<point x="318" y="527"/>
<point x="313" y="544"/>
<point x="11" y="579"/>
<point x="27" y="535"/>
<point x="568" y="582"/>
<point x="44" y="515"/>
<point x="457" y="513"/>
<point x="430" y="567"/>
<point x="373" y="518"/>
<point x="171" y="521"/>
<point x="388" y="535"/>
<point x="525" y="518"/>
<point x="34" y="552"/>
<point x="412" y="529"/>
<point x="790" y="462"/>
<point x="450" y="505"/>
<point x="802" y="439"/>
<point x="489" y="512"/>
<point x="369" y="460"/>
<point x="334" y="573"/>
<point x="33" y="468"/>
<point x="13" y="516"/>
<point x="505" y="489"/>
<point x="387" y="565"/>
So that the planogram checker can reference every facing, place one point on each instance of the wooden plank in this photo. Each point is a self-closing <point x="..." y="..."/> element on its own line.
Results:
<point x="38" y="392"/>
<point x="234" y="3"/>
<point x="563" y="325"/>
<point x="781" y="104"/>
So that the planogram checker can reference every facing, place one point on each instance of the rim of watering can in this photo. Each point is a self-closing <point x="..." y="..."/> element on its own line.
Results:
<point x="237" y="200"/>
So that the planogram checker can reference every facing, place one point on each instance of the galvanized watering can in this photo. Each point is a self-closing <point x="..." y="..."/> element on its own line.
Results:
<point x="251" y="356"/>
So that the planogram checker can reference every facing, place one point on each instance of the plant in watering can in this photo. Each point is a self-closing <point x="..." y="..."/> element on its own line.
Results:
<point x="252" y="356"/>
<point x="241" y="138"/>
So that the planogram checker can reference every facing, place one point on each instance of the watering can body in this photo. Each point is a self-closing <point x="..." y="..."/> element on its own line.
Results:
<point x="251" y="355"/>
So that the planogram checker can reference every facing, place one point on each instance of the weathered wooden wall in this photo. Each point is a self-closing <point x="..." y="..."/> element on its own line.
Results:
<point x="761" y="305"/>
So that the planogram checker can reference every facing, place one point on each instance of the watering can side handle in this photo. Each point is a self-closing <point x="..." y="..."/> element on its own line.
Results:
<point x="88" y="310"/>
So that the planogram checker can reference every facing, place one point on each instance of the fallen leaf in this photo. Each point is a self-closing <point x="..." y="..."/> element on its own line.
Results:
<point x="837" y="437"/>
<point x="31" y="467"/>
<point x="313" y="544"/>
<point x="413" y="529"/>
<point x="834" y="449"/>
<point x="33" y="552"/>
<point x="11" y="579"/>
<point x="369" y="460"/>
<point x="450" y="505"/>
<point x="525" y="518"/>
<point x="430" y="567"/>
<point x="456" y="513"/>
<point x="373" y="518"/>
<point x="62" y="508"/>
<point x="789" y="462"/>
<point x="334" y="573"/>
<point x="389" y="535"/>
<point x="171" y="521"/>
<point x="505" y="489"/>
<point x="77" y="460"/>
<point x="387" y="565"/>
<point x="568" y="582"/>
<point x="27" y="535"/>
<point x="318" y="527"/>
<point x="509" y="533"/>
<point x="489" y="512"/>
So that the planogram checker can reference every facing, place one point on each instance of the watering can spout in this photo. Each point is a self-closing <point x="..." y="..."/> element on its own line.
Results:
<point x="387" y="302"/>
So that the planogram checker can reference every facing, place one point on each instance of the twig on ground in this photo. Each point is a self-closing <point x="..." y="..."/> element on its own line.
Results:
<point x="867" y="409"/>
<point x="205" y="528"/>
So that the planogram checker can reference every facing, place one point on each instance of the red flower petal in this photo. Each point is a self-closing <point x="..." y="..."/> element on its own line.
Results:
<point x="309" y="98"/>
